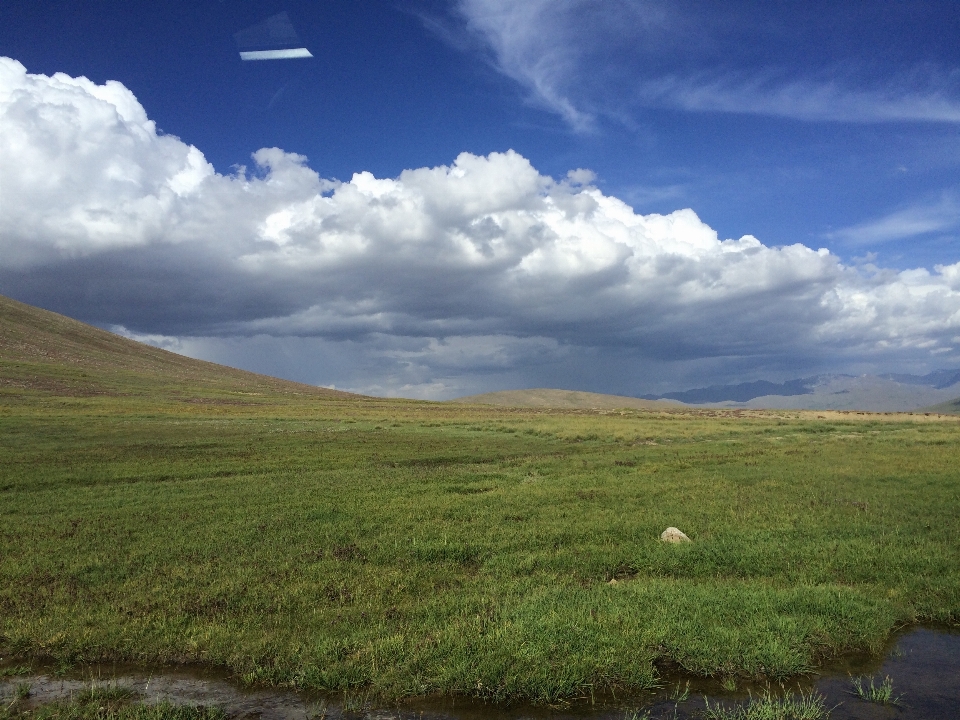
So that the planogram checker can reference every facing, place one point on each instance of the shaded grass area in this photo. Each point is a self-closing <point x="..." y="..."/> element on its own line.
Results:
<point x="407" y="548"/>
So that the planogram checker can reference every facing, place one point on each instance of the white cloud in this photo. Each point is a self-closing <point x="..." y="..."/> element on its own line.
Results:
<point x="84" y="168"/>
<point x="531" y="44"/>
<point x="803" y="99"/>
<point x="441" y="275"/>
<point x="166" y="342"/>
<point x="910" y="222"/>
<point x="581" y="59"/>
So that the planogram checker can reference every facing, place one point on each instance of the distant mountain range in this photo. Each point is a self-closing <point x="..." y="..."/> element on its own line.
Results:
<point x="938" y="391"/>
<point x="938" y="379"/>
<point x="880" y="393"/>
<point x="741" y="392"/>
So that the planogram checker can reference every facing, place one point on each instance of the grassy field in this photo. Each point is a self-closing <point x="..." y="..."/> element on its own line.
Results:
<point x="328" y="541"/>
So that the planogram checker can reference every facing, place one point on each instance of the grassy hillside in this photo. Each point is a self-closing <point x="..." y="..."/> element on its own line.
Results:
<point x="951" y="407"/>
<point x="50" y="353"/>
<point x="565" y="399"/>
<point x="151" y="511"/>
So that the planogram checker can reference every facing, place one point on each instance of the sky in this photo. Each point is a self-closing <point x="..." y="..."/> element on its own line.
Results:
<point x="447" y="198"/>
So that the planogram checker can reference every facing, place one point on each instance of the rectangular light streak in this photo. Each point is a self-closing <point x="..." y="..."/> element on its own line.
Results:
<point x="286" y="54"/>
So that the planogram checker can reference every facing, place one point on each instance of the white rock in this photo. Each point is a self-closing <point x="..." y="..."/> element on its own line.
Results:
<point x="672" y="535"/>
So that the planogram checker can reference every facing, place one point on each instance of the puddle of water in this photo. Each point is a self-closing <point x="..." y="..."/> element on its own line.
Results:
<point x="924" y="665"/>
<point x="178" y="686"/>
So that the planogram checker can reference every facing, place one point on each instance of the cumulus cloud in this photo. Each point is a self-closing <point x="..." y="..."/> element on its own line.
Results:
<point x="62" y="195"/>
<point x="581" y="59"/>
<point x="435" y="278"/>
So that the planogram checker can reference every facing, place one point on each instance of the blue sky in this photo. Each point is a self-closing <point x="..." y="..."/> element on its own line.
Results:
<point x="829" y="125"/>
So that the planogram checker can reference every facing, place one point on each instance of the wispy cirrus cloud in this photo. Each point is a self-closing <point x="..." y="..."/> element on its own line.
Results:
<point x="583" y="60"/>
<point x="534" y="44"/>
<point x="914" y="221"/>
<point x="897" y="99"/>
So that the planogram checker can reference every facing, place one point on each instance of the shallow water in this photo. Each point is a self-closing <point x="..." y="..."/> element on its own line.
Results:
<point x="924" y="665"/>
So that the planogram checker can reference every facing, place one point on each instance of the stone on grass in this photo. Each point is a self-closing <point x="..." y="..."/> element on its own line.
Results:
<point x="672" y="535"/>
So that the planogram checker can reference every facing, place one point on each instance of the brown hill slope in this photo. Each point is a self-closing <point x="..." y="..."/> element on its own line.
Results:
<point x="43" y="351"/>
<point x="565" y="399"/>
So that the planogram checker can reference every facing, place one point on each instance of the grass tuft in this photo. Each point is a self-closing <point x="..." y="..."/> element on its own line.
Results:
<point x="770" y="707"/>
<point x="881" y="694"/>
<point x="681" y="693"/>
<point x="105" y="693"/>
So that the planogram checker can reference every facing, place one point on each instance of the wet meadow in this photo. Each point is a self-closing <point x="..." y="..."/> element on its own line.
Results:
<point x="408" y="549"/>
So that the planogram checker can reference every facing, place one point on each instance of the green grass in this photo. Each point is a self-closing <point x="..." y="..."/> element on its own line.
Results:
<point x="416" y="549"/>
<point x="881" y="694"/>
<point x="771" y="707"/>
<point x="396" y="548"/>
